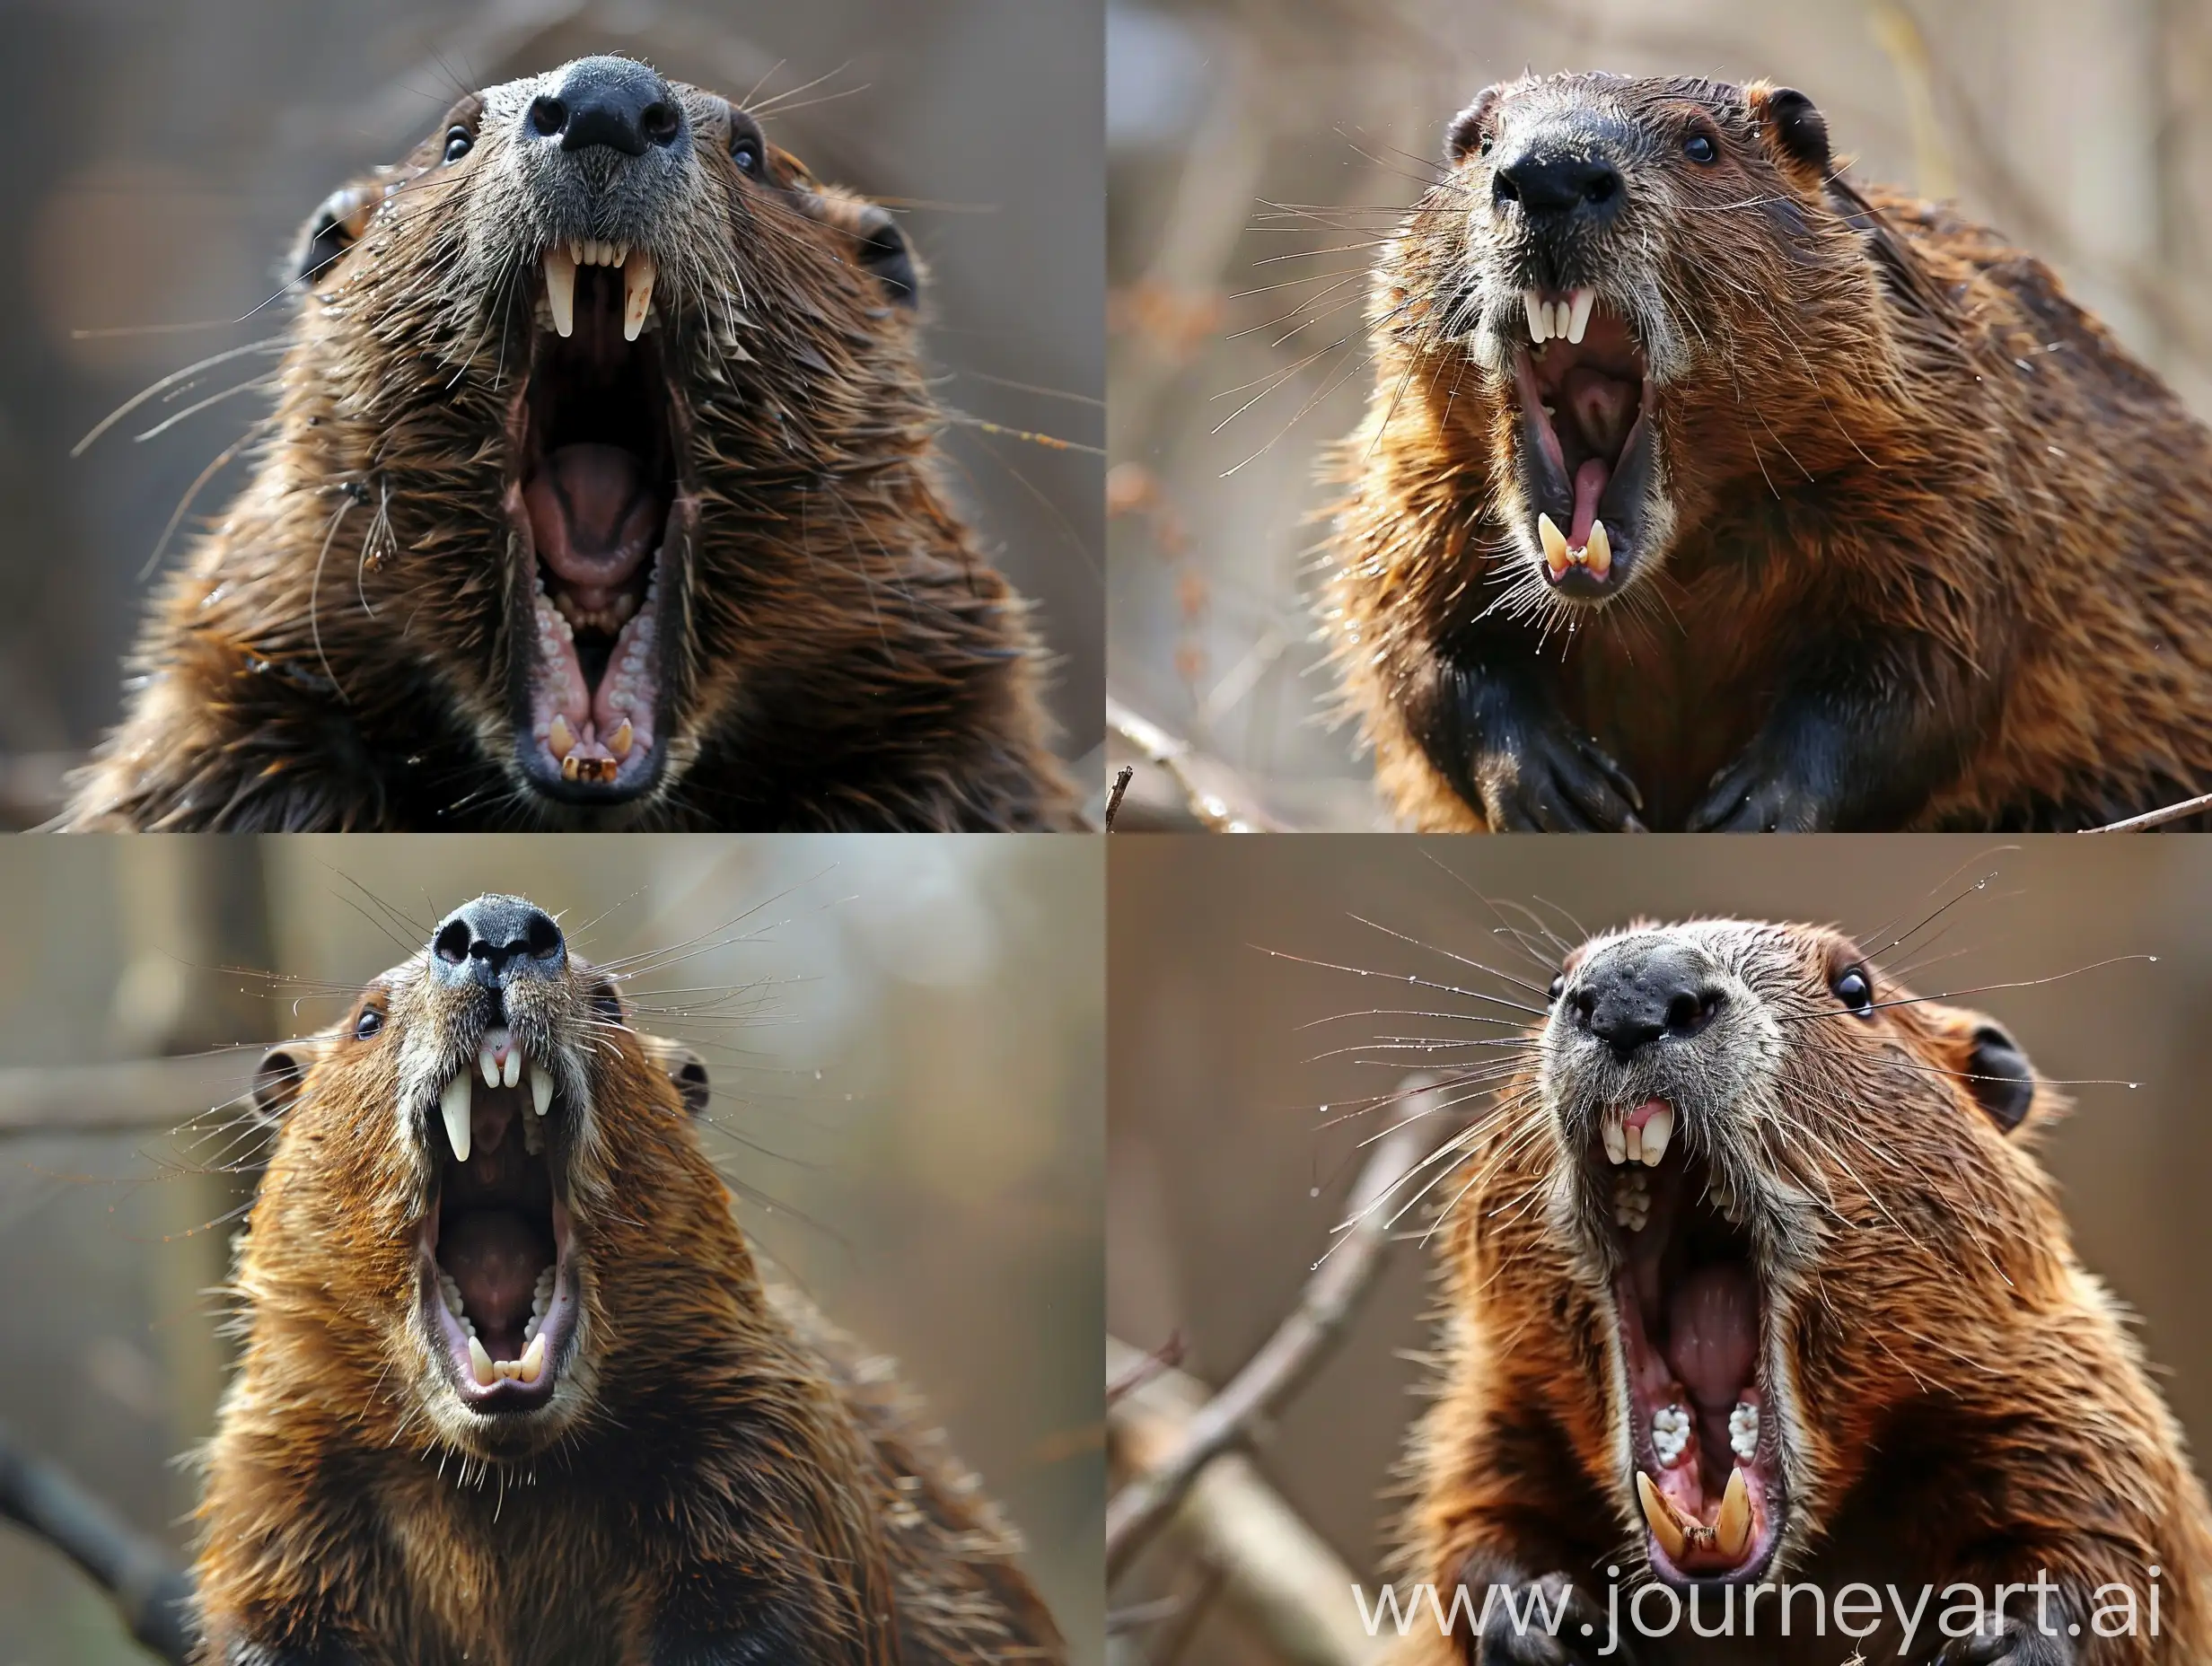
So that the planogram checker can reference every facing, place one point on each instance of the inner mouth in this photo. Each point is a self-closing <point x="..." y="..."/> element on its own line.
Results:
<point x="1585" y="453"/>
<point x="596" y="496"/>
<point x="499" y="1289"/>
<point x="1692" y="1310"/>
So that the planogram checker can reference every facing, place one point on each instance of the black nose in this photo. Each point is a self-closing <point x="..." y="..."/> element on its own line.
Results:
<point x="1633" y="993"/>
<point x="496" y="940"/>
<point x="1554" y="186"/>
<point x="615" y="101"/>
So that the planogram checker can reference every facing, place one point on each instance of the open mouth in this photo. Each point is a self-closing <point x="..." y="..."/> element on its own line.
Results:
<point x="499" y="1288"/>
<point x="595" y="494"/>
<point x="1708" y="1473"/>
<point x="1586" y="451"/>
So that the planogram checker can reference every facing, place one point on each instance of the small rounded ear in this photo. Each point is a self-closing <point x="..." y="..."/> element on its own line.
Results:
<point x="2000" y="1078"/>
<point x="333" y="229"/>
<point x="1795" y="131"/>
<point x="1464" y="135"/>
<point x="684" y="1067"/>
<point x="884" y="251"/>
<point x="280" y="1076"/>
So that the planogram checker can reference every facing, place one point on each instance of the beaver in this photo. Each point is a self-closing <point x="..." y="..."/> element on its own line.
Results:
<point x="1752" y="1281"/>
<point x="1703" y="489"/>
<point x="600" y="491"/>
<point x="512" y="1388"/>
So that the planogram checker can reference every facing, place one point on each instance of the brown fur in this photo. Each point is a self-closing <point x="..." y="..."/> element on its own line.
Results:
<point x="1921" y="496"/>
<point x="337" y="653"/>
<point x="716" y="1456"/>
<point x="1967" y="1403"/>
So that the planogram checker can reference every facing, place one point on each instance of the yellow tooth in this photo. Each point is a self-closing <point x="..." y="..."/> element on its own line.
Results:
<point x="1733" y="1527"/>
<point x="532" y="1365"/>
<point x="560" y="292"/>
<point x="480" y="1364"/>
<point x="1554" y="543"/>
<point x="1599" y="551"/>
<point x="621" y="253"/>
<point x="1660" y="1516"/>
<point x="561" y="737"/>
<point x="637" y="294"/>
<point x="1632" y="1136"/>
<point x="571" y="767"/>
<point x="618" y="743"/>
<point x="575" y="252"/>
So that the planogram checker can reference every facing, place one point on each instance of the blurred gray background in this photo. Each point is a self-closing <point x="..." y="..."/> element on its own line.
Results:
<point x="162" y="155"/>
<point x="905" y="1040"/>
<point x="2082" y="130"/>
<point x="1222" y="1184"/>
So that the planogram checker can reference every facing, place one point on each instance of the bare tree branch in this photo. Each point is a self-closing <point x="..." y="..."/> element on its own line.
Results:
<point x="1122" y="778"/>
<point x="1287" y="1359"/>
<point x="1275" y="1573"/>
<point x="1216" y="795"/>
<point x="151" y="1593"/>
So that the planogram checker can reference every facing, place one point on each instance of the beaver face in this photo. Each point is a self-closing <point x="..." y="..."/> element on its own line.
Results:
<point x="595" y="306"/>
<point x="468" y="1101"/>
<point x="1575" y="261"/>
<point x="1738" y="1109"/>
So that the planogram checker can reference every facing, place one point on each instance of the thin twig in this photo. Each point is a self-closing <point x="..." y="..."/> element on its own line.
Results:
<point x="1217" y="796"/>
<point x="1289" y="1357"/>
<point x="1275" y="1573"/>
<point x="2157" y="818"/>
<point x="151" y="1593"/>
<point x="1122" y="778"/>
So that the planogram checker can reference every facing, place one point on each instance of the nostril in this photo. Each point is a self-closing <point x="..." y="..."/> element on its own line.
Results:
<point x="1681" y="1012"/>
<point x="1690" y="1011"/>
<point x="660" y="123"/>
<point x="1584" y="1005"/>
<point x="451" y="944"/>
<point x="541" y="937"/>
<point x="548" y="116"/>
<point x="1602" y="189"/>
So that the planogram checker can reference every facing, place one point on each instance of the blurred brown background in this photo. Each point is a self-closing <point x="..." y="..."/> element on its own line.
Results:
<point x="2082" y="130"/>
<point x="162" y="155"/>
<point x="1215" y="1144"/>
<point x="906" y="1050"/>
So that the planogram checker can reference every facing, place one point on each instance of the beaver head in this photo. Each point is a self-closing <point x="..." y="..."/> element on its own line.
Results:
<point x="455" y="1194"/>
<point x="595" y="354"/>
<point x="1618" y="298"/>
<point x="1790" y="1195"/>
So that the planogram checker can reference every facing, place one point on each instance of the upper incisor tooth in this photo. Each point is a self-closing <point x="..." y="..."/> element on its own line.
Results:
<point x="455" y="1104"/>
<point x="540" y="1088"/>
<point x="637" y="294"/>
<point x="560" y="291"/>
<point x="1578" y="314"/>
<point x="1539" y="315"/>
<point x="1657" y="1133"/>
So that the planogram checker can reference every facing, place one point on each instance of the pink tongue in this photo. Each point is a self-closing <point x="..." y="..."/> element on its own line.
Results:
<point x="1590" y="481"/>
<point x="1604" y="407"/>
<point x="593" y="520"/>
<point x="1712" y="1334"/>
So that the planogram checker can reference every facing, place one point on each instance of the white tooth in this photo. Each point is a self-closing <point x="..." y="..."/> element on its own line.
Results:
<point x="637" y="294"/>
<point x="1539" y="315"/>
<point x="1616" y="1142"/>
<point x="455" y="1103"/>
<point x="1658" y="1132"/>
<point x="488" y="1062"/>
<point x="1598" y="553"/>
<point x="621" y="253"/>
<point x="560" y="291"/>
<point x="480" y="1364"/>
<point x="1578" y="316"/>
<point x="533" y="1360"/>
<point x="1743" y="1431"/>
<point x="540" y="1088"/>
<point x="450" y="1293"/>
<point x="1634" y="1137"/>
<point x="510" y="1072"/>
<point x="575" y="252"/>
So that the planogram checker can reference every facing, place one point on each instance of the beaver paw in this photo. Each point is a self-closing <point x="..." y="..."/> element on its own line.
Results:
<point x="1577" y="1640"/>
<point x="1760" y="793"/>
<point x="2018" y="1644"/>
<point x="1556" y="781"/>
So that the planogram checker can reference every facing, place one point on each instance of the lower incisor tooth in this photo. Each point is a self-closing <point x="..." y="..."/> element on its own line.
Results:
<point x="1659" y="1516"/>
<point x="1554" y="543"/>
<point x="531" y="1365"/>
<point x="480" y="1364"/>
<point x="1732" y="1528"/>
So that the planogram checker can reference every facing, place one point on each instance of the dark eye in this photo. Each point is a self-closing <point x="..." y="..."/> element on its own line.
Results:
<point x="459" y="142"/>
<point x="370" y="1020"/>
<point x="1855" y="990"/>
<point x="1700" y="149"/>
<point x="747" y="147"/>
<point x="1558" y="987"/>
